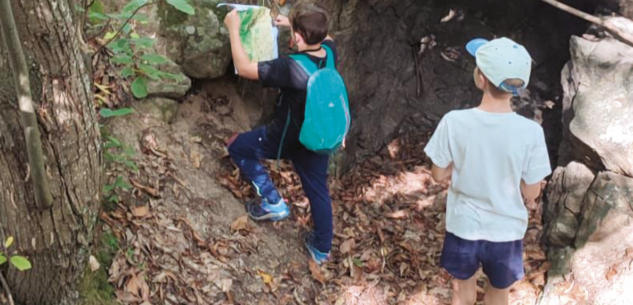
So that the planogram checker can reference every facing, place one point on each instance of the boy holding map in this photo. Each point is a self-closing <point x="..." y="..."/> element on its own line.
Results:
<point x="281" y="137"/>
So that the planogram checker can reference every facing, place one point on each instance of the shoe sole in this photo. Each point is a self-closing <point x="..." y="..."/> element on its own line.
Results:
<point x="271" y="216"/>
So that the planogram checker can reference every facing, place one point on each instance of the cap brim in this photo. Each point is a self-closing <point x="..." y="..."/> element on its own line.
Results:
<point x="473" y="45"/>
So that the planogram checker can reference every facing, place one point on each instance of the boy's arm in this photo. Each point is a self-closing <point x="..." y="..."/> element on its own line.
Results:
<point x="245" y="68"/>
<point x="530" y="191"/>
<point x="440" y="174"/>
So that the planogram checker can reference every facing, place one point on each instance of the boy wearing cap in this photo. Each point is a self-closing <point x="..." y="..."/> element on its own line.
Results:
<point x="495" y="159"/>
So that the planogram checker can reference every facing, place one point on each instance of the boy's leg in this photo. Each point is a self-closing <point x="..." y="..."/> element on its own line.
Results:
<point x="460" y="259"/>
<point x="312" y="169"/>
<point x="496" y="296"/>
<point x="246" y="150"/>
<point x="464" y="291"/>
<point x="503" y="264"/>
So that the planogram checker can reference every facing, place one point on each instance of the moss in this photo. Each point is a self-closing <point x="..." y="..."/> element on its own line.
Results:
<point x="94" y="288"/>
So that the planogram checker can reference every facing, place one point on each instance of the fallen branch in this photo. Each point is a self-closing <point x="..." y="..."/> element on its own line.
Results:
<point x="609" y="26"/>
<point x="6" y="289"/>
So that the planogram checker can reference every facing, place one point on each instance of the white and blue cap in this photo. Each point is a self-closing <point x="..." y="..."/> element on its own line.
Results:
<point x="502" y="59"/>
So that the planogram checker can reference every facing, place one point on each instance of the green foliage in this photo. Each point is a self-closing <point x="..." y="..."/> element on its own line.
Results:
<point x="106" y="112"/>
<point x="182" y="5"/>
<point x="132" y="52"/>
<point x="115" y="152"/>
<point x="19" y="262"/>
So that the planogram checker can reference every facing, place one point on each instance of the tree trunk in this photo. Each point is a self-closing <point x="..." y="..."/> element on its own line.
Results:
<point x="56" y="240"/>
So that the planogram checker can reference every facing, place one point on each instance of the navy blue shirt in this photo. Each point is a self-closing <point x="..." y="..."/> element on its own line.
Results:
<point x="287" y="75"/>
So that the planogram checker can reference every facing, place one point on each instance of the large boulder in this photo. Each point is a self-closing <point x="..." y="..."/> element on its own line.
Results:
<point x="565" y="194"/>
<point x="199" y="43"/>
<point x="598" y="105"/>
<point x="598" y="271"/>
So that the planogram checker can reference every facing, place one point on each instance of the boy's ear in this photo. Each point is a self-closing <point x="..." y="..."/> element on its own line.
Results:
<point x="298" y="38"/>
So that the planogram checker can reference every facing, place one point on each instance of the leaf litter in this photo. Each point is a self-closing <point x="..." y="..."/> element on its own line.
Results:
<point x="389" y="228"/>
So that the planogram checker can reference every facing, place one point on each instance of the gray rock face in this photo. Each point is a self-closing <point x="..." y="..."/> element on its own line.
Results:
<point x="168" y="87"/>
<point x="566" y="192"/>
<point x="598" y="105"/>
<point x="599" y="266"/>
<point x="163" y="109"/>
<point x="198" y="43"/>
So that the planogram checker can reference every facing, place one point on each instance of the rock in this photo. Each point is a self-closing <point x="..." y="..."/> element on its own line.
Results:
<point x="163" y="109"/>
<point x="599" y="267"/>
<point x="598" y="105"/>
<point x="565" y="194"/>
<point x="169" y="87"/>
<point x="199" y="43"/>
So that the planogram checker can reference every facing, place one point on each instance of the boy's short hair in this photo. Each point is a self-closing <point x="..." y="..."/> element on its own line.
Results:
<point x="311" y="20"/>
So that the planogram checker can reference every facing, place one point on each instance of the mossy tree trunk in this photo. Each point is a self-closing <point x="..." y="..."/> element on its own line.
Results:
<point x="55" y="239"/>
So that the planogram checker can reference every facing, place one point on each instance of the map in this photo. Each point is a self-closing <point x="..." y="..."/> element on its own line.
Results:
<point x="258" y="35"/>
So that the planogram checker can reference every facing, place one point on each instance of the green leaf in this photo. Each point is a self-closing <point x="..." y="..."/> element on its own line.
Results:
<point x="127" y="72"/>
<point x="133" y="5"/>
<point x="20" y="262"/>
<point x="95" y="17"/>
<point x="114" y="198"/>
<point x="121" y="45"/>
<point x="139" y="87"/>
<point x="183" y="6"/>
<point x="79" y="8"/>
<point x="127" y="28"/>
<point x="109" y="35"/>
<point x="107" y="112"/>
<point x="131" y="165"/>
<point x="115" y="141"/>
<point x="122" y="184"/>
<point x="134" y="35"/>
<point x="108" y="188"/>
<point x="8" y="242"/>
<point x="122" y="59"/>
<point x="154" y="58"/>
<point x="357" y="262"/>
<point x="143" y="42"/>
<point x="150" y="71"/>
<point x="2" y="259"/>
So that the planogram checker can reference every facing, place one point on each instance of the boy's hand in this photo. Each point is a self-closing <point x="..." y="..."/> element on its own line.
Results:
<point x="282" y="21"/>
<point x="232" y="21"/>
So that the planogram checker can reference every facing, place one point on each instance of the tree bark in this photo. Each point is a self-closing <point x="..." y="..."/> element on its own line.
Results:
<point x="56" y="240"/>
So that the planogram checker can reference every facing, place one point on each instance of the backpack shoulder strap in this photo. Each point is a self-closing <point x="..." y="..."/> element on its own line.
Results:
<point x="330" y="57"/>
<point x="305" y="63"/>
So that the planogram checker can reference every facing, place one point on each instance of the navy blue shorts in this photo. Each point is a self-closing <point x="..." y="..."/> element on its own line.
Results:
<point x="502" y="261"/>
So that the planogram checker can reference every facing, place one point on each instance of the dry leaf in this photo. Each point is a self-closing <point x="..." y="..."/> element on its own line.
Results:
<point x="196" y="158"/>
<point x="140" y="211"/>
<point x="132" y="285"/>
<point x="240" y="224"/>
<point x="613" y="271"/>
<point x="447" y="18"/>
<point x="315" y="270"/>
<point x="265" y="277"/>
<point x="94" y="264"/>
<point x="401" y="214"/>
<point x="347" y="246"/>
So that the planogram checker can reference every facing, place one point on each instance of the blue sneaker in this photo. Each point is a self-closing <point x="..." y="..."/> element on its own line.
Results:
<point x="316" y="255"/>
<point x="267" y="211"/>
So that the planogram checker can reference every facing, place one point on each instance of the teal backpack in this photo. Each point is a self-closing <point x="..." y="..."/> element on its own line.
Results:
<point x="327" y="118"/>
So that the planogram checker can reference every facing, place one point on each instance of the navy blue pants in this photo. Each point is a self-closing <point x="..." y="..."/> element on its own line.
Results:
<point x="502" y="261"/>
<point x="250" y="147"/>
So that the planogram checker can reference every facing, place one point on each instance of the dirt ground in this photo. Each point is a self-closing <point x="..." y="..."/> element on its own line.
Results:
<point x="184" y="237"/>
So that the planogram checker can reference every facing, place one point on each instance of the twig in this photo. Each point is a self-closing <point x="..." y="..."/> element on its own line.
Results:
<point x="612" y="29"/>
<point x="6" y="289"/>
<point x="123" y="26"/>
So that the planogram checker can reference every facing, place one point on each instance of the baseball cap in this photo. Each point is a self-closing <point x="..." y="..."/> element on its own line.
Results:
<point x="501" y="59"/>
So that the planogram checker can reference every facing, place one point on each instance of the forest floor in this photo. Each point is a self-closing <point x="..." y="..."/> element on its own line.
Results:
<point x="183" y="236"/>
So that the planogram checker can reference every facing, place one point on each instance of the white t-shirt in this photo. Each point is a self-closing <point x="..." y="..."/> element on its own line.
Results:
<point x="491" y="153"/>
